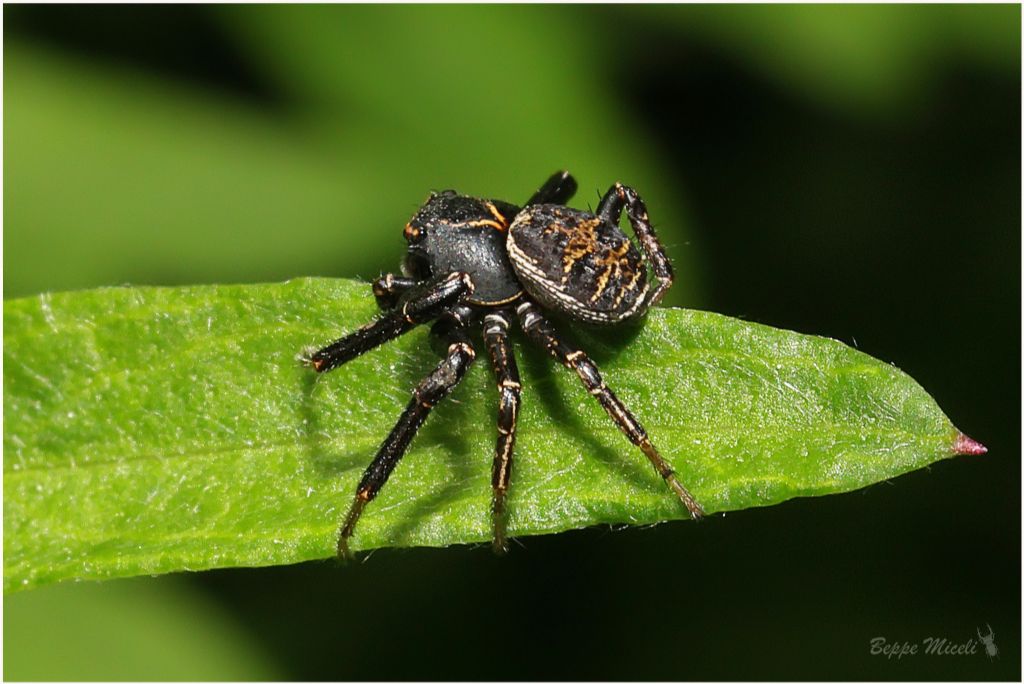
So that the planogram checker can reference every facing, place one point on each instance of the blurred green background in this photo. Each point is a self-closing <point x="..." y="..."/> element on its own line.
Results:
<point x="848" y="171"/>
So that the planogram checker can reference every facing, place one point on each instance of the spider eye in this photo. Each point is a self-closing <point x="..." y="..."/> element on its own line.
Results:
<point x="413" y="234"/>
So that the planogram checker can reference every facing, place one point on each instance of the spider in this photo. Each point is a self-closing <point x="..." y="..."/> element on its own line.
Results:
<point x="483" y="262"/>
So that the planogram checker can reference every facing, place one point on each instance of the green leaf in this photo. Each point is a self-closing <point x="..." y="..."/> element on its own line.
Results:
<point x="152" y="430"/>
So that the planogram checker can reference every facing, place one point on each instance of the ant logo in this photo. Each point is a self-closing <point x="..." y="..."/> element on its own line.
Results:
<point x="991" y="650"/>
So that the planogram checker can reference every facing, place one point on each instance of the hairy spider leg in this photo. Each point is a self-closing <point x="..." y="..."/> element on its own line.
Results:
<point x="418" y="307"/>
<point x="388" y="288"/>
<point x="558" y="189"/>
<point x="432" y="389"/>
<point x="610" y="209"/>
<point x="509" y="392"/>
<point x="538" y="329"/>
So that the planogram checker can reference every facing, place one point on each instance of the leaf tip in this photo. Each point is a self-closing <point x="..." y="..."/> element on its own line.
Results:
<point x="965" y="446"/>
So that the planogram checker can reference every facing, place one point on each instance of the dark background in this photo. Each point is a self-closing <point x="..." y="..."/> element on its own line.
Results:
<point x="851" y="172"/>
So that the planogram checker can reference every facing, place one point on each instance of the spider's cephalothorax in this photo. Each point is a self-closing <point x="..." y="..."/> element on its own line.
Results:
<point x="488" y="263"/>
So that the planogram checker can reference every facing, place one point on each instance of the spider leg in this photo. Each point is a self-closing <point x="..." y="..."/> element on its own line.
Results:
<point x="432" y="389"/>
<point x="556" y="190"/>
<point x="509" y="390"/>
<point x="610" y="209"/>
<point x="389" y="287"/>
<point x="418" y="306"/>
<point x="538" y="329"/>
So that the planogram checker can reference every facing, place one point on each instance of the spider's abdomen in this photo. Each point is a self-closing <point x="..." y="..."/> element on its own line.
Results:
<point x="577" y="263"/>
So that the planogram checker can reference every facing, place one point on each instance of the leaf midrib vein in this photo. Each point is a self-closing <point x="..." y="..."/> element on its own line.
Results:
<point x="365" y="441"/>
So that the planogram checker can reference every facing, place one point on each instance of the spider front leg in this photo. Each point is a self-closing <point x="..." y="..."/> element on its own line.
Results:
<point x="432" y="389"/>
<point x="509" y="391"/>
<point x="610" y="209"/>
<point x="416" y="307"/>
<point x="538" y="329"/>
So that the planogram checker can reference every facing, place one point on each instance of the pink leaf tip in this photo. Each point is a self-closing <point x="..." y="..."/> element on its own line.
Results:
<point x="965" y="446"/>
